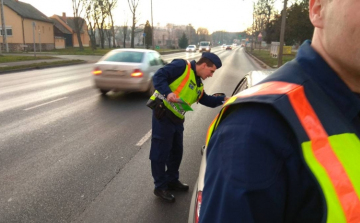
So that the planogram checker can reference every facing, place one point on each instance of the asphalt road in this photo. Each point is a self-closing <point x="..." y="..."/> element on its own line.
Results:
<point x="67" y="154"/>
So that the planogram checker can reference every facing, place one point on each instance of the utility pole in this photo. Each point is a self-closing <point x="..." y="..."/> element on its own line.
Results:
<point x="3" y="26"/>
<point x="152" y="28"/>
<point x="282" y="33"/>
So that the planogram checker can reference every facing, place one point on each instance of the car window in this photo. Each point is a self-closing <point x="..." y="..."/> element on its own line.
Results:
<point x="158" y="59"/>
<point x="125" y="56"/>
<point x="242" y="85"/>
<point x="153" y="60"/>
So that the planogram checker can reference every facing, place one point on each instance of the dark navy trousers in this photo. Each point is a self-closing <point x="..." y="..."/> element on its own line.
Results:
<point x="166" y="151"/>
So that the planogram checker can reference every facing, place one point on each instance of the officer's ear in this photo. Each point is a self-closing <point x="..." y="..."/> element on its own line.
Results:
<point x="316" y="12"/>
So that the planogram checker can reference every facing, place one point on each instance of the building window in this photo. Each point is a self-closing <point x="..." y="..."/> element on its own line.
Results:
<point x="8" y="31"/>
<point x="159" y="42"/>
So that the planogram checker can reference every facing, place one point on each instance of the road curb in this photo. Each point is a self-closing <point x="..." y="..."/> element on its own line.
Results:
<point x="42" y="67"/>
<point x="260" y="62"/>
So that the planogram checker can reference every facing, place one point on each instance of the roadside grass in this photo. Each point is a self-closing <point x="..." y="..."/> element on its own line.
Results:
<point x="40" y="65"/>
<point x="77" y="51"/>
<point x="264" y="56"/>
<point x="12" y="58"/>
<point x="99" y="51"/>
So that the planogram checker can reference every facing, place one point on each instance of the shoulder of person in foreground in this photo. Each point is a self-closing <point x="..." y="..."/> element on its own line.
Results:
<point x="253" y="164"/>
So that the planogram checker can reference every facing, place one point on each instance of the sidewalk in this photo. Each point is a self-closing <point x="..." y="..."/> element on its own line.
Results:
<point x="83" y="58"/>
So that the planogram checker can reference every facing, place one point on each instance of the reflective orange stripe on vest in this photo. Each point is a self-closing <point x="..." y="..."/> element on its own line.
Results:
<point x="276" y="87"/>
<point x="325" y="155"/>
<point x="181" y="86"/>
<point x="321" y="149"/>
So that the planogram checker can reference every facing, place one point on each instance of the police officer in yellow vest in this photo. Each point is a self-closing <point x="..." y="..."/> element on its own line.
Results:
<point x="178" y="80"/>
<point x="287" y="150"/>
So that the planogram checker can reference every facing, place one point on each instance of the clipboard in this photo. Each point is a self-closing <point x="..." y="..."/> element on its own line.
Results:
<point x="183" y="105"/>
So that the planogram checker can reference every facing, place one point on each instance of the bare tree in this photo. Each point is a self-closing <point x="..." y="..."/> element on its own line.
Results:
<point x="133" y="4"/>
<point x="203" y="34"/>
<point x="90" y="17"/>
<point x="125" y="29"/>
<point x="78" y="7"/>
<point x="108" y="33"/>
<point x="110" y="6"/>
<point x="101" y="12"/>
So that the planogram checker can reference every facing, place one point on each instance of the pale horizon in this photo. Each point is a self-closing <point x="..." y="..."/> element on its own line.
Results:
<point x="230" y="15"/>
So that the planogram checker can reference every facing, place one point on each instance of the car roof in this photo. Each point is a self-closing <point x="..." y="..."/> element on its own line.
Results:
<point x="256" y="76"/>
<point x="133" y="50"/>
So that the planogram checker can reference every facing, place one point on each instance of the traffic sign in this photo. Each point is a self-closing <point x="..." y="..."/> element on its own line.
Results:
<point x="144" y="34"/>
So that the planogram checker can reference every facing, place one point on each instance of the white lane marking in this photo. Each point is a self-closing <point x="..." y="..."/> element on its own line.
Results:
<point x="144" y="139"/>
<point x="26" y="109"/>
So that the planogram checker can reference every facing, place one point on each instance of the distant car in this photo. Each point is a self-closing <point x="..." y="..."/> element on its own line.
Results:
<point x="127" y="70"/>
<point x="223" y="46"/>
<point x="205" y="46"/>
<point x="228" y="47"/>
<point x="191" y="48"/>
<point x="250" y="79"/>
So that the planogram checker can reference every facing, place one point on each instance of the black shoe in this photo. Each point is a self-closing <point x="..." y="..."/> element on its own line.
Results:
<point x="165" y="194"/>
<point x="177" y="185"/>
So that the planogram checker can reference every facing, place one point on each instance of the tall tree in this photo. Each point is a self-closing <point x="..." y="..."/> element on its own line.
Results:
<point x="110" y="6"/>
<point x="78" y="7"/>
<point x="108" y="33"/>
<point x="298" y="25"/>
<point x="264" y="12"/>
<point x="100" y="17"/>
<point x="90" y="17"/>
<point x="148" y="34"/>
<point x="183" y="41"/>
<point x="191" y="33"/>
<point x="125" y="30"/>
<point x="133" y="4"/>
<point x="203" y="34"/>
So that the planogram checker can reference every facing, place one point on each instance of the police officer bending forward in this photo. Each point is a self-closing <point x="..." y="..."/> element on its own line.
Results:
<point x="179" y="79"/>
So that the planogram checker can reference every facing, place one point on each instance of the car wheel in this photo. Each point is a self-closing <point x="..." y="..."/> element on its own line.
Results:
<point x="103" y="92"/>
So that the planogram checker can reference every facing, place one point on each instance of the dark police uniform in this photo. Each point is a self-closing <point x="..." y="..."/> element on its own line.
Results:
<point x="167" y="136"/>
<point x="255" y="171"/>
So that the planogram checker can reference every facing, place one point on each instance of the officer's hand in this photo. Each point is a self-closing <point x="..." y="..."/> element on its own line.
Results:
<point x="172" y="97"/>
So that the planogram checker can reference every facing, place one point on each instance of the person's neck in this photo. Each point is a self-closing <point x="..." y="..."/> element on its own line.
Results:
<point x="350" y="77"/>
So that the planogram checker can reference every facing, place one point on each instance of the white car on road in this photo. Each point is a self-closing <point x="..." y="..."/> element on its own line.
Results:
<point x="191" y="48"/>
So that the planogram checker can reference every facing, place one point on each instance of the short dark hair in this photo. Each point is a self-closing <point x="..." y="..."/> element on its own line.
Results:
<point x="205" y="60"/>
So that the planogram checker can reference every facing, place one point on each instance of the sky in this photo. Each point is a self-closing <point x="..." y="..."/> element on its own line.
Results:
<point x="215" y="15"/>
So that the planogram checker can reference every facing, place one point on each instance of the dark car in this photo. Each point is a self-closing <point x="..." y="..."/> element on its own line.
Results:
<point x="228" y="47"/>
<point x="248" y="81"/>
